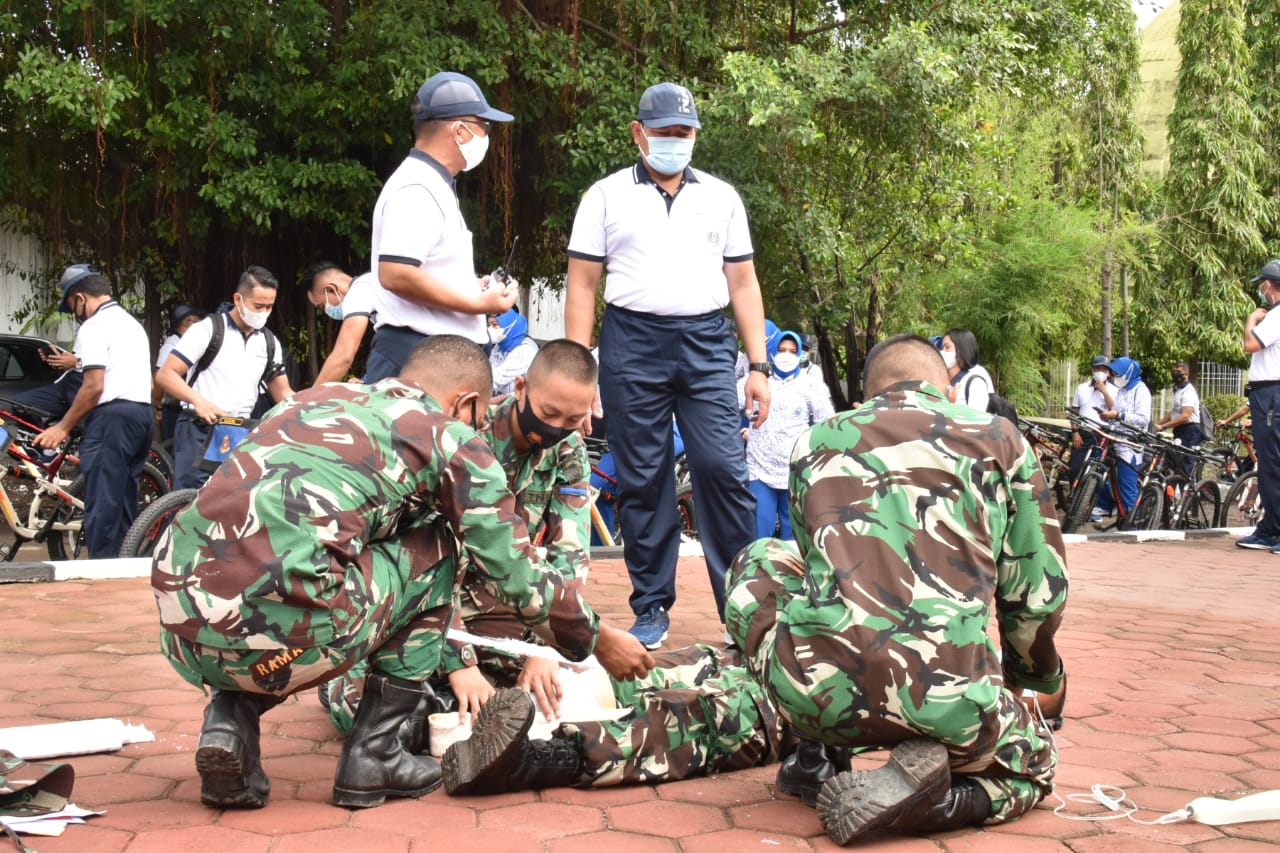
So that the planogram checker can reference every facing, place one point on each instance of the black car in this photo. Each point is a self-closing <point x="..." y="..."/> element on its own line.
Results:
<point x="21" y="367"/>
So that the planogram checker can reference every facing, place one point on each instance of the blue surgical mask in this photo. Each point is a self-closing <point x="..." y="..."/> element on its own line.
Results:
<point x="334" y="311"/>
<point x="669" y="155"/>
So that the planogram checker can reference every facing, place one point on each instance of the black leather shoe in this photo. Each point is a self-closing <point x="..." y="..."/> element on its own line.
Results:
<point x="229" y="757"/>
<point x="375" y="763"/>
<point x="482" y="763"/>
<point x="895" y="796"/>
<point x="964" y="804"/>
<point x="804" y="771"/>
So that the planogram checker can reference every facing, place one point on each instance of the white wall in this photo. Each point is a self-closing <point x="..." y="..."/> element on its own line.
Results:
<point x="21" y="260"/>
<point x="544" y="309"/>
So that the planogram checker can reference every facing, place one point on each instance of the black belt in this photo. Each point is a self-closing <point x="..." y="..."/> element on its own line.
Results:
<point x="660" y="318"/>
<point x="1263" y="383"/>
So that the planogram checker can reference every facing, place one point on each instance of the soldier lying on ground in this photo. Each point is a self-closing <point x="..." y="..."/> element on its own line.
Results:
<point x="914" y="518"/>
<point x="331" y="536"/>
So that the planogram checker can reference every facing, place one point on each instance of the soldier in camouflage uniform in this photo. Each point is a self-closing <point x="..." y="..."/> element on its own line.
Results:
<point x="331" y="536"/>
<point x="533" y="434"/>
<point x="915" y="518"/>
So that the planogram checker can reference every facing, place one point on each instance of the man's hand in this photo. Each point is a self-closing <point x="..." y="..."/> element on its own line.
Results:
<point x="496" y="300"/>
<point x="1109" y="415"/>
<point x="471" y="688"/>
<point x="597" y="411"/>
<point x="1077" y="440"/>
<point x="60" y="359"/>
<point x="621" y="654"/>
<point x="1257" y="315"/>
<point x="51" y="438"/>
<point x="541" y="677"/>
<point x="209" y="412"/>
<point x="756" y="397"/>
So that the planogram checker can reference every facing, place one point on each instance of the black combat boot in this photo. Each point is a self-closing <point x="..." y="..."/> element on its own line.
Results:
<point x="896" y="796"/>
<point x="229" y="757"/>
<point x="964" y="804"/>
<point x="804" y="771"/>
<point x="375" y="763"/>
<point x="481" y="763"/>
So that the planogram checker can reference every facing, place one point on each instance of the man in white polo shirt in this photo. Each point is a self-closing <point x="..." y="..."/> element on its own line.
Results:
<point x="422" y="252"/>
<point x="114" y="401"/>
<point x="227" y="385"/>
<point x="347" y="300"/>
<point x="1262" y="342"/>
<point x="678" y="251"/>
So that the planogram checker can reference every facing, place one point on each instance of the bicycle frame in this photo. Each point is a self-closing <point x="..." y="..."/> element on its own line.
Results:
<point x="40" y="520"/>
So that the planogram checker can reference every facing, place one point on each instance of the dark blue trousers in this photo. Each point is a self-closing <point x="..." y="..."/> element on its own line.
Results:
<point x="1264" y="408"/>
<point x="189" y="439"/>
<point x="56" y="397"/>
<point x="117" y="436"/>
<point x="651" y="369"/>
<point x="390" y="348"/>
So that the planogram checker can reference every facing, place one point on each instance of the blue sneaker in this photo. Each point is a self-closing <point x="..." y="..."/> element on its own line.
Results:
<point x="1257" y="542"/>
<point x="651" y="627"/>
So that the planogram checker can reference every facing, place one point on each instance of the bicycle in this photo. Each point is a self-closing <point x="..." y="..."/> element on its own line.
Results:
<point x="146" y="529"/>
<point x="1101" y="471"/>
<point x="611" y="535"/>
<point x="1053" y="450"/>
<point x="39" y="502"/>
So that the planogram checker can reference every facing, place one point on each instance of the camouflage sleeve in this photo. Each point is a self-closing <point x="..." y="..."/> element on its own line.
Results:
<point x="473" y="497"/>
<point x="456" y="655"/>
<point x="568" y="514"/>
<point x="1031" y="581"/>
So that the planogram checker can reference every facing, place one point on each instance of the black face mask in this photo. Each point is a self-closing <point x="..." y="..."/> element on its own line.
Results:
<point x="1179" y="378"/>
<point x="535" y="429"/>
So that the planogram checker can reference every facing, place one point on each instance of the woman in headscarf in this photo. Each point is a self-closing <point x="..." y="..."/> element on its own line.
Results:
<point x="513" y="349"/>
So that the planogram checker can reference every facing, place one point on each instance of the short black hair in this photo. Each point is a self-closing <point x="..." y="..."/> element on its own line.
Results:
<point x="901" y="358"/>
<point x="256" y="276"/>
<point x="310" y="273"/>
<point x="966" y="347"/>
<point x="461" y="358"/>
<point x="91" y="285"/>
<point x="566" y="357"/>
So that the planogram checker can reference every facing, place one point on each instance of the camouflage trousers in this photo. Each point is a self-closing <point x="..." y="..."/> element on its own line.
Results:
<point x="405" y="607"/>
<point x="830" y="698"/>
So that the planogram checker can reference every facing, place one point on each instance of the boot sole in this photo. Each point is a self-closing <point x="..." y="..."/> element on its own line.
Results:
<point x="369" y="799"/>
<point x="220" y="763"/>
<point x="494" y="746"/>
<point x="916" y="776"/>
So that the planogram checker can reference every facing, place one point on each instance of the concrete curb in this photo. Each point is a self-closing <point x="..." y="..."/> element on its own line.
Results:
<point x="140" y="567"/>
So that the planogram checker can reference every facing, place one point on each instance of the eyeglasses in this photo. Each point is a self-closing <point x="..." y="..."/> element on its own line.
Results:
<point x="480" y="123"/>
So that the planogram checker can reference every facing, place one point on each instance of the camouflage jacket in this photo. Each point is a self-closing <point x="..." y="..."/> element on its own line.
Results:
<point x="550" y="488"/>
<point x="915" y="516"/>
<point x="260" y="557"/>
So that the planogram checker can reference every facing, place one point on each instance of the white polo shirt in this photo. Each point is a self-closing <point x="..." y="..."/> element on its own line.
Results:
<point x="114" y="341"/>
<point x="659" y="259"/>
<point x="1185" y="396"/>
<point x="417" y="221"/>
<point x="231" y="379"/>
<point x="1264" y="365"/>
<point x="361" y="294"/>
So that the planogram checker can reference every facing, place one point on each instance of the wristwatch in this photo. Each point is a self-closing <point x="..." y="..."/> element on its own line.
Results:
<point x="761" y="367"/>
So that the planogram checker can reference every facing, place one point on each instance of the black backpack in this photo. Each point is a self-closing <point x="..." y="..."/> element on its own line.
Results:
<point x="215" y="344"/>
<point x="996" y="405"/>
<point x="1206" y="423"/>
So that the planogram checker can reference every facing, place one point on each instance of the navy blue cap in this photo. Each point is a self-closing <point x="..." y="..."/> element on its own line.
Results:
<point x="667" y="104"/>
<point x="1271" y="272"/>
<point x="453" y="95"/>
<point x="1101" y="361"/>
<point x="72" y="276"/>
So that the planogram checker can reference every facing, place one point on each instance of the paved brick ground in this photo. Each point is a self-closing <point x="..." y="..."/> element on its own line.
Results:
<point x="1173" y="650"/>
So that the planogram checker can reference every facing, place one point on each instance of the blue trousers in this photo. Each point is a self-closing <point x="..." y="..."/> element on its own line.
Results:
<point x="652" y="368"/>
<point x="773" y="511"/>
<point x="1264" y="408"/>
<point x="1191" y="436"/>
<point x="1127" y="478"/>
<point x="189" y="438"/>
<point x="56" y="397"/>
<point x="117" y="436"/>
<point x="391" y="346"/>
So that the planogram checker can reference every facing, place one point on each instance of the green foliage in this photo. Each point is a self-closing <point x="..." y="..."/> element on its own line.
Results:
<point x="1223" y="405"/>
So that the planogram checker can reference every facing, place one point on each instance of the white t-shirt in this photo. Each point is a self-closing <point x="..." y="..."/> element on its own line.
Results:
<point x="660" y="260"/>
<point x="231" y="379"/>
<point x="1264" y="365"/>
<point x="361" y="295"/>
<point x="1183" y="397"/>
<point x="417" y="221"/>
<point x="166" y="348"/>
<point x="1089" y="399"/>
<point x="974" y="388"/>
<point x="114" y="341"/>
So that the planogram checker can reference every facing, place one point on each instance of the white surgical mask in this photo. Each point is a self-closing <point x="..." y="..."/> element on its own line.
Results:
<point x="497" y="335"/>
<point x="253" y="319"/>
<point x="473" y="150"/>
<point x="948" y="358"/>
<point x="1120" y="381"/>
<point x="786" y="361"/>
<point x="669" y="155"/>
<point x="1100" y="376"/>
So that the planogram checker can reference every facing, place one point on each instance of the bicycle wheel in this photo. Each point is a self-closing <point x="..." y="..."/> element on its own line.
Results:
<point x="1177" y="496"/>
<point x="69" y="544"/>
<point x="1201" y="506"/>
<point x="688" y="514"/>
<point x="1148" y="512"/>
<point x="1242" y="506"/>
<point x="162" y="460"/>
<point x="145" y="531"/>
<point x="1083" y="497"/>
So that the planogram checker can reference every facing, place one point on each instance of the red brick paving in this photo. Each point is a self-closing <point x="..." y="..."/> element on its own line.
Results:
<point x="1173" y="651"/>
